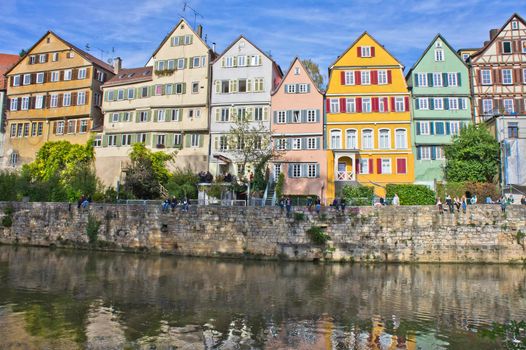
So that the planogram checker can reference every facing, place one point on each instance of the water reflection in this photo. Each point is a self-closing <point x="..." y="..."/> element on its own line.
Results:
<point x="68" y="299"/>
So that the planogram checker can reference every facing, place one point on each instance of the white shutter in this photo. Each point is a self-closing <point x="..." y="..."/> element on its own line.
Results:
<point x="265" y="113"/>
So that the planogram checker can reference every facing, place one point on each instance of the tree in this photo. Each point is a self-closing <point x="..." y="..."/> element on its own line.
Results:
<point x="473" y="156"/>
<point x="146" y="172"/>
<point x="314" y="71"/>
<point x="183" y="184"/>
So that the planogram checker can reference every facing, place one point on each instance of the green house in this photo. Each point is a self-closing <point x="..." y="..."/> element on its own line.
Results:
<point x="441" y="106"/>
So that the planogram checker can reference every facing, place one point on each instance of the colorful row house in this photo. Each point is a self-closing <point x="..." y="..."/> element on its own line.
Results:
<point x="499" y="90"/>
<point x="297" y="133"/>
<point x="440" y="90"/>
<point x="54" y="94"/>
<point x="164" y="105"/>
<point x="368" y="121"/>
<point x="243" y="78"/>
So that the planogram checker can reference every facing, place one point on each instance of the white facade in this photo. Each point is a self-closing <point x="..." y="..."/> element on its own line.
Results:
<point x="2" y="121"/>
<point x="243" y="79"/>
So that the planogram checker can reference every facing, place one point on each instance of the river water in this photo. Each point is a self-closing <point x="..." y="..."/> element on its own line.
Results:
<point x="60" y="299"/>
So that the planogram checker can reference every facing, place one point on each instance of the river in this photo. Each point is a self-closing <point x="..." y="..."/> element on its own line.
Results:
<point x="64" y="299"/>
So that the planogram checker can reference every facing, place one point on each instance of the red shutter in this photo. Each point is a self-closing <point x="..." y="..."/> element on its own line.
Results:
<point x="374" y="77"/>
<point x="357" y="77"/>
<point x="406" y="102"/>
<point x="342" y="105"/>
<point x="379" y="165"/>
<point x="372" y="51"/>
<point x="88" y="102"/>
<point x="358" y="105"/>
<point x="342" y="77"/>
<point x="375" y="104"/>
<point x="371" y="166"/>
<point x="389" y="77"/>
<point x="359" y="51"/>
<point x="357" y="167"/>
<point x="393" y="109"/>
<point x="401" y="166"/>
<point x="386" y="104"/>
<point x="328" y="105"/>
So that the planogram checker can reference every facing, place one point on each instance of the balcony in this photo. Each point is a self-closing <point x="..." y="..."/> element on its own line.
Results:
<point x="345" y="176"/>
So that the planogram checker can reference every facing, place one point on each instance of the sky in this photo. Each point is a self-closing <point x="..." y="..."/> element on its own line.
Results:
<point x="319" y="30"/>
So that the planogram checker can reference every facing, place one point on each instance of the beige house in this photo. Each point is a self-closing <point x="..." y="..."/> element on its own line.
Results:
<point x="164" y="105"/>
<point x="53" y="94"/>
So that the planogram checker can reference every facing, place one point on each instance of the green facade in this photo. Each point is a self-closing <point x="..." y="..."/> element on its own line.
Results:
<point x="441" y="105"/>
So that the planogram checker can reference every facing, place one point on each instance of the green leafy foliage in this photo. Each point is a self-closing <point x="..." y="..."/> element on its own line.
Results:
<point x="215" y="191"/>
<point x="92" y="229"/>
<point x="7" y="220"/>
<point x="299" y="216"/>
<point x="459" y="189"/>
<point x="473" y="156"/>
<point x="358" y="195"/>
<point x="314" y="71"/>
<point x="183" y="184"/>
<point x="279" y="185"/>
<point x="317" y="235"/>
<point x="412" y="194"/>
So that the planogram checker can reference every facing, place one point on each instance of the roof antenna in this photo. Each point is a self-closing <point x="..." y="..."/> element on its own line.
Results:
<point x="102" y="52"/>
<point x="185" y="5"/>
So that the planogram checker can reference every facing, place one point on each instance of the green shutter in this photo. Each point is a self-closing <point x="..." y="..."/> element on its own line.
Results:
<point x="119" y="140"/>
<point x="167" y="115"/>
<point x="187" y="140"/>
<point x="201" y="140"/>
<point x="155" y="115"/>
<point x="148" y="115"/>
<point x="191" y="63"/>
<point x="186" y="63"/>
<point x="184" y="88"/>
<point x="105" y="141"/>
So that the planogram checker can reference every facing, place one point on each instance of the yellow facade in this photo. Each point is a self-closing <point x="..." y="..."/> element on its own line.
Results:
<point x="43" y="98"/>
<point x="368" y="122"/>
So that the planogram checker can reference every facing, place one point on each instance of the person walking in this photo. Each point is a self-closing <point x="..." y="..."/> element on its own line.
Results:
<point x="396" y="200"/>
<point x="440" y="206"/>
<point x="449" y="203"/>
<point x="288" y="206"/>
<point x="464" y="204"/>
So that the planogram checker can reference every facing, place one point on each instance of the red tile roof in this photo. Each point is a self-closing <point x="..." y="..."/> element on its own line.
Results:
<point x="6" y="62"/>
<point x="130" y="76"/>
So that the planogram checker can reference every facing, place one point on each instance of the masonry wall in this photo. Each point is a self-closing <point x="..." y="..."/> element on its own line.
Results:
<point x="393" y="234"/>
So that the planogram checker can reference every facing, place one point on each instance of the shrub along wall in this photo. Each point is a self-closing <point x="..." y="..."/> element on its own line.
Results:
<point x="412" y="194"/>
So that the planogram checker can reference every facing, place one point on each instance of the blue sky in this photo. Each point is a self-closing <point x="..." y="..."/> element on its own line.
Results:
<point x="320" y="30"/>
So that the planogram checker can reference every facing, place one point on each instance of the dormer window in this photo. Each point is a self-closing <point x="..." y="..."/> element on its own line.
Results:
<point x="514" y="25"/>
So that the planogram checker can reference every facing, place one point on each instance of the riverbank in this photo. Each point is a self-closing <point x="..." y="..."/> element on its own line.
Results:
<point x="389" y="234"/>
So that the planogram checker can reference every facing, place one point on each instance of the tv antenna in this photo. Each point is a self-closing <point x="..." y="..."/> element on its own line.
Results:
<point x="88" y="47"/>
<point x="185" y="6"/>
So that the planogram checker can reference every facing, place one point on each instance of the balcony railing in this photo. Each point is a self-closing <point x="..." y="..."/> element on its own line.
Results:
<point x="345" y="176"/>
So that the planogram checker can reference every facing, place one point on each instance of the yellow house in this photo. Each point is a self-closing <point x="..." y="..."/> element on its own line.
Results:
<point x="368" y="123"/>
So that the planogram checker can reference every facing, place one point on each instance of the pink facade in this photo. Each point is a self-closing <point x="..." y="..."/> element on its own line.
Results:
<point x="297" y="131"/>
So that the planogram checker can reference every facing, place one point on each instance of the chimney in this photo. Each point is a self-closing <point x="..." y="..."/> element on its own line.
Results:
<point x="200" y="31"/>
<point x="117" y="65"/>
<point x="214" y="47"/>
<point x="493" y="33"/>
<point x="485" y="43"/>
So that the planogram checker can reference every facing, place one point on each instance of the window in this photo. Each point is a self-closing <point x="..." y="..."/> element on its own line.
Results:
<point x="303" y="88"/>
<point x="365" y="51"/>
<point x="70" y="54"/>
<point x="296" y="143"/>
<point x="400" y="139"/>
<point x="160" y="140"/>
<point x="223" y="143"/>
<point x="258" y="87"/>
<point x="55" y="76"/>
<point x="281" y="117"/>
<point x="350" y="105"/>
<point x="112" y="140"/>
<point x="507" y="77"/>
<point x="16" y="80"/>
<point x="115" y="117"/>
<point x="180" y="63"/>
<point x="487" y="106"/>
<point x="281" y="144"/>
<point x="366" y="105"/>
<point x="19" y="130"/>
<point x="177" y="139"/>
<point x="349" y="78"/>
<point x="179" y="88"/>
<point x="296" y="170"/>
<point x="142" y="137"/>
<point x="194" y="141"/>
<point x="229" y="62"/>
<point x="334" y="105"/>
<point x="296" y="116"/>
<point x="454" y="128"/>
<point x="453" y="103"/>
<point x="258" y="113"/>
<point x="367" y="139"/>
<point x="68" y="74"/>
<point x="423" y="103"/>
<point x="126" y="139"/>
<point x="421" y="79"/>
<point x="27" y="79"/>
<point x="42" y="58"/>
<point x="40" y="78"/>
<point x="158" y="92"/>
<point x="242" y="85"/>
<point x="255" y="60"/>
<point x="291" y="88"/>
<point x="81" y="98"/>
<point x="382" y="104"/>
<point x="54" y="57"/>
<point x="523" y="46"/>
<point x="382" y="77"/>
<point x="311" y="116"/>
<point x="384" y="139"/>
<point x="277" y="171"/>
<point x="81" y="73"/>
<point x="71" y="126"/>
<point x="508" y="106"/>
<point x="161" y="116"/>
<point x="312" y="170"/>
<point x="13" y="130"/>
<point x="311" y="143"/>
<point x="54" y="101"/>
<point x="297" y="71"/>
<point x="25" y="103"/>
<point x="440" y="154"/>
<point x="424" y="128"/>
<point x="364" y="166"/>
<point x="131" y="94"/>
<point x="39" y="102"/>
<point x="14" y="104"/>
<point x="194" y="113"/>
<point x="32" y="59"/>
<point x="336" y="139"/>
<point x="514" y="25"/>
<point x="66" y="100"/>
<point x="486" y="77"/>
<point x="241" y="61"/>
<point x="465" y="57"/>
<point x="439" y="55"/>
<point x="351" y="139"/>
<point x="506" y="47"/>
<point x="83" y="126"/>
<point x="524" y="74"/>
<point x="513" y="130"/>
<point x="143" y="116"/>
<point x="425" y="153"/>
<point x="399" y="104"/>
<point x="438" y="103"/>
<point x="437" y="79"/>
<point x="225" y="86"/>
<point x="187" y="39"/>
<point x="60" y="128"/>
<point x="452" y="79"/>
<point x="26" y="129"/>
<point x="225" y="114"/>
<point x="101" y="76"/>
<point x="386" y="166"/>
<point x="366" y="77"/>
<point x="126" y="116"/>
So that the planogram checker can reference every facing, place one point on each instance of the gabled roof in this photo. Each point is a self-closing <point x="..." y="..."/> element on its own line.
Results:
<point x="356" y="41"/>
<point x="288" y="72"/>
<point x="82" y="53"/>
<point x="182" y="20"/>
<point x="429" y="47"/>
<point x="485" y="47"/>
<point x="6" y="62"/>
<point x="250" y="42"/>
<point x="130" y="76"/>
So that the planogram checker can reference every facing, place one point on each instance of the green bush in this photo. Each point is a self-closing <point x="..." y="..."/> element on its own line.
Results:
<point x="183" y="184"/>
<point x="299" y="216"/>
<point x="215" y="191"/>
<point x="317" y="235"/>
<point x="92" y="230"/>
<point x="279" y="185"/>
<point x="358" y="195"/>
<point x="412" y="194"/>
<point x="459" y="189"/>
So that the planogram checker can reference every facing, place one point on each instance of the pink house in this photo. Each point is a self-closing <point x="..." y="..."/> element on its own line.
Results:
<point x="297" y="130"/>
